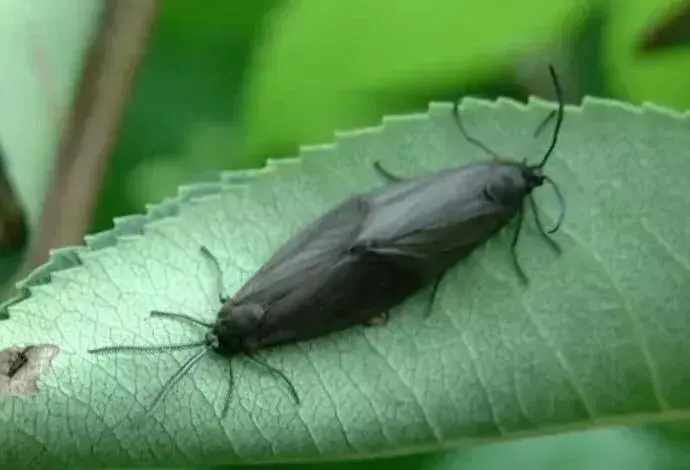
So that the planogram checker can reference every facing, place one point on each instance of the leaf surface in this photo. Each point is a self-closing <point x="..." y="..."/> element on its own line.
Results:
<point x="598" y="338"/>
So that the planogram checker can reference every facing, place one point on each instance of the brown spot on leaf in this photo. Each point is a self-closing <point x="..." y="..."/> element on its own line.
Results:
<point x="21" y="366"/>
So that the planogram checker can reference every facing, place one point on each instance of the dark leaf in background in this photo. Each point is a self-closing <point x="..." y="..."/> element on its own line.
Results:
<point x="587" y="68"/>
<point x="13" y="228"/>
<point x="672" y="32"/>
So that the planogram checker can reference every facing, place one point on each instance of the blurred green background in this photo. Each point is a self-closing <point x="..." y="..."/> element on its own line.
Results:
<point x="228" y="84"/>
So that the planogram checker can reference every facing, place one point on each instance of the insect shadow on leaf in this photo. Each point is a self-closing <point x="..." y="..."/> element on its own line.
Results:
<point x="508" y="183"/>
<point x="215" y="340"/>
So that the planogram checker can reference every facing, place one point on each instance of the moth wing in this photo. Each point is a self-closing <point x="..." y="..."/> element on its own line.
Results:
<point x="467" y="227"/>
<point x="301" y="308"/>
<point x="331" y="233"/>
<point x="425" y="221"/>
<point x="344" y="289"/>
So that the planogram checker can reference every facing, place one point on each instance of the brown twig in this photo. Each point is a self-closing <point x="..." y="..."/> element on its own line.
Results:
<point x="94" y="121"/>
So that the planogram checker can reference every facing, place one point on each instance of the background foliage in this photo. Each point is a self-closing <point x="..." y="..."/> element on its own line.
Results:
<point x="227" y="85"/>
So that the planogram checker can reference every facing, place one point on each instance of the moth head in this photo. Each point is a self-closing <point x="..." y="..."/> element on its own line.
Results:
<point x="507" y="185"/>
<point x="236" y="327"/>
<point x="533" y="175"/>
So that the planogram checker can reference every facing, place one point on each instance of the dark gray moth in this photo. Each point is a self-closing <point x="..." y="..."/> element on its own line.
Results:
<point x="316" y="284"/>
<point x="428" y="223"/>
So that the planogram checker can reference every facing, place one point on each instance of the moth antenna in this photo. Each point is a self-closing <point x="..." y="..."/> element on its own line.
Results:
<point x="277" y="372"/>
<point x="561" y="204"/>
<point x="146" y="349"/>
<point x="467" y="136"/>
<point x="219" y="273"/>
<point x="172" y="381"/>
<point x="559" y="119"/>
<point x="540" y="225"/>
<point x="228" y="396"/>
<point x="182" y="317"/>
<point x="434" y="290"/>
<point x="513" y="246"/>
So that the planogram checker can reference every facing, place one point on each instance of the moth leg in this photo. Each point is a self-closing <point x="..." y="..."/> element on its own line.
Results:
<point x="219" y="273"/>
<point x="387" y="175"/>
<point x="277" y="372"/>
<point x="434" y="290"/>
<point x="228" y="396"/>
<point x="378" y="320"/>
<point x="513" y="246"/>
<point x="555" y="246"/>
<point x="472" y="140"/>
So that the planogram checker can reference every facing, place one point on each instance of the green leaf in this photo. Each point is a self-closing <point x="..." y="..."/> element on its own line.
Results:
<point x="597" y="339"/>
<point x="362" y="59"/>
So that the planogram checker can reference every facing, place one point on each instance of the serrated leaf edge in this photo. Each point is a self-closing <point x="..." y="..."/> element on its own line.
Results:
<point x="194" y="194"/>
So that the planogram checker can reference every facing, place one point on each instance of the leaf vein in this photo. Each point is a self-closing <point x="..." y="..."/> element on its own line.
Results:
<point x="485" y="389"/>
<point x="635" y="322"/>
<point x="565" y="365"/>
<point x="432" y="428"/>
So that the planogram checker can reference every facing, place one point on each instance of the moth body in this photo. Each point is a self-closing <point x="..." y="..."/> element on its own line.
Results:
<point x="317" y="283"/>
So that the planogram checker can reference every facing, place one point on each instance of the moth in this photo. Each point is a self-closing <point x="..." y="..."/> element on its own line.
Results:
<point x="359" y="260"/>
<point x="428" y="223"/>
<point x="319" y="282"/>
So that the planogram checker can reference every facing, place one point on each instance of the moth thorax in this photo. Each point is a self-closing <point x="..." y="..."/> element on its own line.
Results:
<point x="534" y="177"/>
<point x="508" y="185"/>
